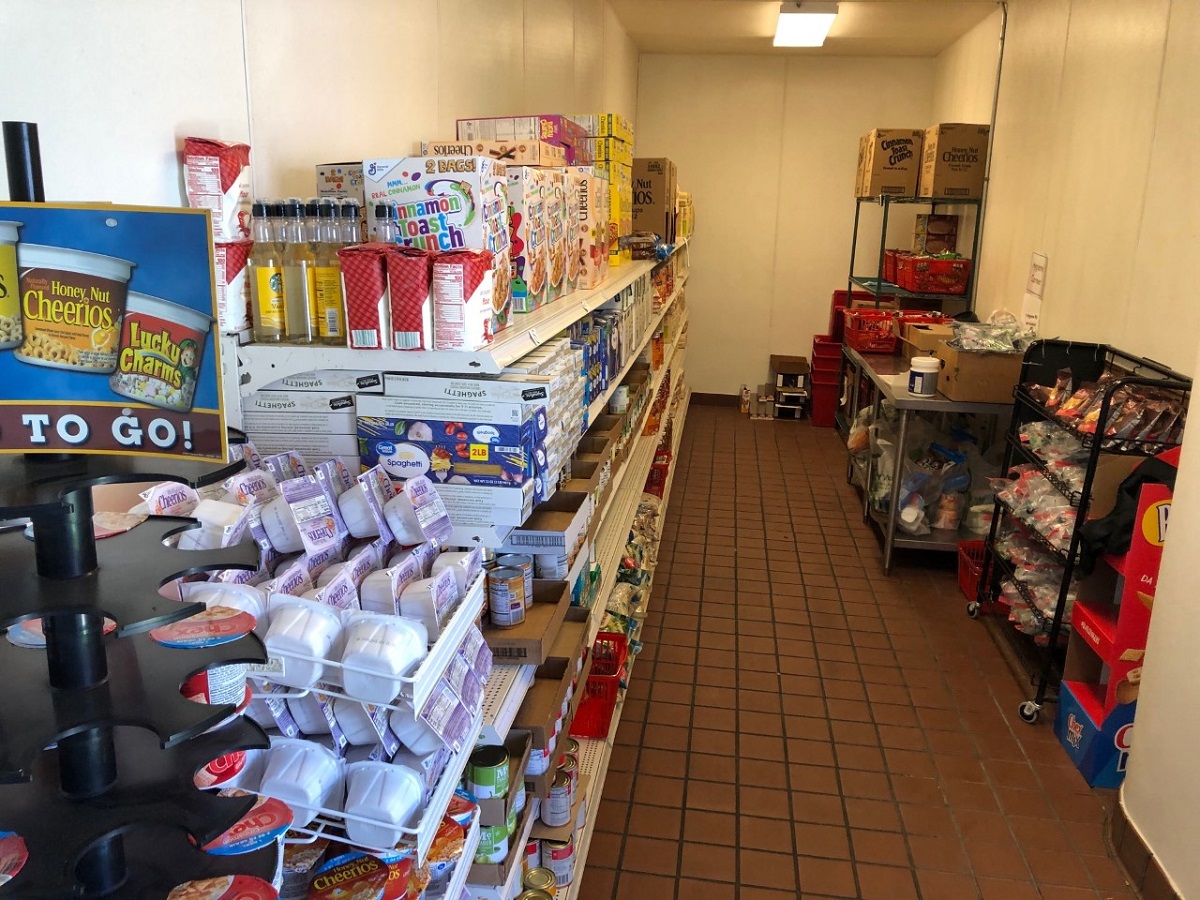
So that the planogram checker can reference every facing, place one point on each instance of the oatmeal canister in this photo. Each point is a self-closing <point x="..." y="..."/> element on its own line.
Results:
<point x="11" y="333"/>
<point x="162" y="344"/>
<point x="71" y="307"/>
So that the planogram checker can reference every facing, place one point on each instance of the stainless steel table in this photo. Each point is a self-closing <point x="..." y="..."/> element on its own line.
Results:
<point x="880" y="370"/>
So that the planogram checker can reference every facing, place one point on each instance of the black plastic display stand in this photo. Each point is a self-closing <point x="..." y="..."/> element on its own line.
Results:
<point x="110" y="810"/>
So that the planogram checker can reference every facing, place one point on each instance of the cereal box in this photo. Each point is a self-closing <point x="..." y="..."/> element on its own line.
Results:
<point x="606" y="125"/>
<point x="511" y="153"/>
<point x="620" y="208"/>
<point x="527" y="236"/>
<point x="589" y="243"/>
<point x="556" y="232"/>
<point x="570" y="220"/>
<point x="554" y="129"/>
<point x="611" y="149"/>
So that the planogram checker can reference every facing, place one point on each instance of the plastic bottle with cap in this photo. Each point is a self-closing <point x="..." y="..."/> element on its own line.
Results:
<point x="385" y="223"/>
<point x="299" y="275"/>
<point x="350" y="224"/>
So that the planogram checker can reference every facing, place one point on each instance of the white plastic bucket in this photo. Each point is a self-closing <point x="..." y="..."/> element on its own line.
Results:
<point x="923" y="375"/>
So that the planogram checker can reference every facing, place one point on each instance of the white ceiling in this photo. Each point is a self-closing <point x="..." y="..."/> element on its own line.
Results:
<point x="862" y="28"/>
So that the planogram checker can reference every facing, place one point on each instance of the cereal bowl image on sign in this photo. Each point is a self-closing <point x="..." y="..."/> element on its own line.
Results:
<point x="106" y="315"/>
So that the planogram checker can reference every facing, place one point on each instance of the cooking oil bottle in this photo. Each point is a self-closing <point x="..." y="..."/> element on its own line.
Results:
<point x="331" y="306"/>
<point x="268" y="308"/>
<point x="299" y="275"/>
<point x="351" y="222"/>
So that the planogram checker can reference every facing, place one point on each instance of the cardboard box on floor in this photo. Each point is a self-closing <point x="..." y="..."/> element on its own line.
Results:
<point x="530" y="642"/>
<point x="978" y="377"/>
<point x="789" y="371"/>
<point x="494" y="810"/>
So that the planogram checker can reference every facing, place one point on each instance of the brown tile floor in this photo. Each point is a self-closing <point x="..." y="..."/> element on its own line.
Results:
<point x="800" y="724"/>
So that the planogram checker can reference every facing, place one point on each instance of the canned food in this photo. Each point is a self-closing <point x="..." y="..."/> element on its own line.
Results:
<point x="506" y="596"/>
<point x="540" y="879"/>
<point x="519" y="798"/>
<point x="559" y="858"/>
<point x="618" y="403"/>
<point x="570" y="747"/>
<point x="556" y="808"/>
<point x="510" y="821"/>
<point x="487" y="773"/>
<point x="570" y="765"/>
<point x="539" y="761"/>
<point x="533" y="854"/>
<point x="523" y="562"/>
<point x="493" y="844"/>
<point x="554" y="566"/>
<point x="534" y="895"/>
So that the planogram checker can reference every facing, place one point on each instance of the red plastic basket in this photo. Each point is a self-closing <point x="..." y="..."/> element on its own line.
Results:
<point x="970" y="566"/>
<point x="594" y="714"/>
<point x="842" y="299"/>
<point x="871" y="330"/>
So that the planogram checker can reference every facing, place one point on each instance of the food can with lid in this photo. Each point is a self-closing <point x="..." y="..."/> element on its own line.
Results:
<point x="506" y="596"/>
<point x="519" y="798"/>
<point x="534" y="895"/>
<point x="556" y="809"/>
<point x="559" y="858"/>
<point x="487" y="773"/>
<point x="524" y="562"/>
<point x="540" y="879"/>
<point x="533" y="854"/>
<point x="570" y="765"/>
<point x="493" y="844"/>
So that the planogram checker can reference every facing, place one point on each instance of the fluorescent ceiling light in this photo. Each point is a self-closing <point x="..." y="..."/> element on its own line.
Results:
<point x="804" y="23"/>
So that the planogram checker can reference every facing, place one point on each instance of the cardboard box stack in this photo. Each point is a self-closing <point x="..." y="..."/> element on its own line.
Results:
<point x="552" y="128"/>
<point x="789" y="387"/>
<point x="610" y="139"/>
<point x="954" y="162"/>
<point x="561" y="363"/>
<point x="889" y="162"/>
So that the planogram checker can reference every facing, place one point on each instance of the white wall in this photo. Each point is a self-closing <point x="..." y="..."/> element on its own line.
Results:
<point x="111" y="122"/>
<point x="768" y="146"/>
<point x="965" y="77"/>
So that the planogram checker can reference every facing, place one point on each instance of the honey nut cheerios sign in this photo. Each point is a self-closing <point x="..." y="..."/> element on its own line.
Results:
<point x="106" y="338"/>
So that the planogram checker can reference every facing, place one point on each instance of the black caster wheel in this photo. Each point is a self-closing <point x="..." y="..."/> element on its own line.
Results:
<point x="1029" y="712"/>
<point x="973" y="609"/>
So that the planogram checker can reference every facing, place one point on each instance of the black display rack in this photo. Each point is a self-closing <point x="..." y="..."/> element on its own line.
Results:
<point x="1087" y="362"/>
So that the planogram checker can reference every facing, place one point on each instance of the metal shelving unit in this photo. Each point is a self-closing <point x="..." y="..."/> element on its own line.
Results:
<point x="874" y="281"/>
<point x="1087" y="363"/>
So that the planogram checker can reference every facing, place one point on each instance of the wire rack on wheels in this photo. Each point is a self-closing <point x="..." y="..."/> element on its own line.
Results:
<point x="1087" y="363"/>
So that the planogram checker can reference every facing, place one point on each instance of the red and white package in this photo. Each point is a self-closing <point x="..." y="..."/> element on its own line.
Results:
<point x="463" y="284"/>
<point x="225" y="887"/>
<point x="233" y="287"/>
<point x="220" y="770"/>
<point x="364" y="276"/>
<point x="409" y="274"/>
<point x="218" y="179"/>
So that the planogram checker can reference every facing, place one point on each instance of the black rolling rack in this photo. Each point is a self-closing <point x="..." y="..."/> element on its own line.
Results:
<point x="98" y="748"/>
<point x="1087" y="363"/>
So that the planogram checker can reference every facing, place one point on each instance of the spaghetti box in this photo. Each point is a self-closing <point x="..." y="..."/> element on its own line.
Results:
<point x="889" y="162"/>
<point x="495" y="465"/>
<point x="978" y="377"/>
<point x="342" y="380"/>
<point x="560" y="524"/>
<point x="448" y="409"/>
<point x="470" y="504"/>
<point x="523" y="389"/>
<point x="1099" y="747"/>
<point x="299" y="412"/>
<point x="954" y="161"/>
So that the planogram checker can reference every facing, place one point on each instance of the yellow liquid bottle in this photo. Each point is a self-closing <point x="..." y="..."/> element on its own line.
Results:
<point x="299" y="276"/>
<point x="268" y="309"/>
<point x="331" y="304"/>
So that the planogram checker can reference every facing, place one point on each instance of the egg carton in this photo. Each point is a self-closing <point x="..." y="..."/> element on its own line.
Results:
<point x="417" y="688"/>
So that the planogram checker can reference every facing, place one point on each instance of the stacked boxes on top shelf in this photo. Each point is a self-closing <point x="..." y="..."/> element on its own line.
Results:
<point x="610" y="138"/>
<point x="1110" y="621"/>
<point x="655" y="186"/>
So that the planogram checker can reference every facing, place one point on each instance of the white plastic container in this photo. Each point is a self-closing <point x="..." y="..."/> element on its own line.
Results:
<point x="375" y="592"/>
<point x="387" y="645"/>
<point x="923" y="375"/>
<point x="304" y="628"/>
<point x="402" y="519"/>
<point x="303" y="775"/>
<point x="417" y="603"/>
<point x="457" y="561"/>
<point x="307" y="712"/>
<point x="245" y="597"/>
<point x="383" y="792"/>
<point x="281" y="527"/>
<point x="414" y="733"/>
<point x="329" y="573"/>
<point x="355" y="722"/>
<point x="357" y="514"/>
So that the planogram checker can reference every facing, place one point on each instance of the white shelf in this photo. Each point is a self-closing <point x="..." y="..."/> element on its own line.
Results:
<point x="502" y="697"/>
<point x="260" y="364"/>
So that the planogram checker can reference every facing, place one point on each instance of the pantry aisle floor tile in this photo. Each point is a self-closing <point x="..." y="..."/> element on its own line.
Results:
<point x="806" y="726"/>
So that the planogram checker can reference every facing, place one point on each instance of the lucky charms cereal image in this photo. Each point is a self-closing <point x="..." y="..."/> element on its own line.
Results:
<point x="114" y="307"/>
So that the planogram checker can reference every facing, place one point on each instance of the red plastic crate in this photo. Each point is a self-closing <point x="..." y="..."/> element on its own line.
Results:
<point x="891" y="261"/>
<point x="871" y="330"/>
<point x="824" y="403"/>
<point x="824" y="365"/>
<point x="842" y="299"/>
<point x="594" y="714"/>
<point x="970" y="566"/>
<point x="930" y="275"/>
<point x="825" y="347"/>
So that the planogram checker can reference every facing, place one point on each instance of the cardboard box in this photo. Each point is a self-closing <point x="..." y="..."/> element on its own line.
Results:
<point x="654" y="189"/>
<point x="934" y="234"/>
<point x="299" y="412"/>
<point x="556" y="233"/>
<point x="494" y="810"/>
<point x="1099" y="746"/>
<point x="544" y="832"/>
<point x="589" y="240"/>
<point x="606" y="125"/>
<point x="611" y="149"/>
<point x="528" y="235"/>
<point x="530" y="642"/>
<point x="470" y="504"/>
<point x="978" y="377"/>
<point x="313" y="447"/>
<point x="558" y="525"/>
<point x="474" y="406"/>
<point x="923" y="340"/>
<point x="495" y="873"/>
<point x="556" y="129"/>
<point x="533" y="389"/>
<point x="591" y="477"/>
<point x="511" y="153"/>
<point x="891" y="162"/>
<point x="954" y="161"/>
<point x="543" y="701"/>
<point x="346" y="381"/>
<point x="789" y="371"/>
<point x="342" y="181"/>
